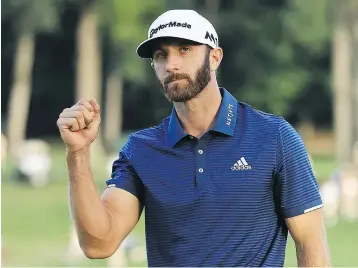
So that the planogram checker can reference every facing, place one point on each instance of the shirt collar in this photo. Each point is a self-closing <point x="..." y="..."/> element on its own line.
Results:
<point x="225" y="120"/>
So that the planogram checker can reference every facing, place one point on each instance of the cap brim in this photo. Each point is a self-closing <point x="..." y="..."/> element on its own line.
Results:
<point x="145" y="49"/>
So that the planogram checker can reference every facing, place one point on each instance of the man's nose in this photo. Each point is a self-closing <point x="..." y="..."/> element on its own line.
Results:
<point x="173" y="63"/>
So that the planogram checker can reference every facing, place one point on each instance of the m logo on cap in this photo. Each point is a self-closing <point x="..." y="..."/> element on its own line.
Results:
<point x="170" y="24"/>
<point x="211" y="37"/>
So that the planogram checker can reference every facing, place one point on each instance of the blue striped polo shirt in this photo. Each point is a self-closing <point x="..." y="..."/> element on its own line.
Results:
<point x="220" y="200"/>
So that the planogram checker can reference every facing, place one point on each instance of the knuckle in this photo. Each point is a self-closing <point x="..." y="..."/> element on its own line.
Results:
<point x="79" y="114"/>
<point x="88" y="104"/>
<point x="83" y="110"/>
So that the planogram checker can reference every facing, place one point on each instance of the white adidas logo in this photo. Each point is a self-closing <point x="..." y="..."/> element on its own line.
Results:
<point x="241" y="165"/>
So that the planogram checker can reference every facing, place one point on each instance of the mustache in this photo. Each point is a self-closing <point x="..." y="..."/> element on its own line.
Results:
<point x="175" y="76"/>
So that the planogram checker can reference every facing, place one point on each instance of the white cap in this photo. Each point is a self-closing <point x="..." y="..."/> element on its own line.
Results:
<point x="180" y="23"/>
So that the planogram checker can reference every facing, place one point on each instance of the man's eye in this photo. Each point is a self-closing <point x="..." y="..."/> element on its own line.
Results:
<point x="159" y="54"/>
<point x="184" y="49"/>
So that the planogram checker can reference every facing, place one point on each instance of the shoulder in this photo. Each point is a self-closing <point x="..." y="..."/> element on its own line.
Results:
<point x="260" y="118"/>
<point x="268" y="123"/>
<point x="146" y="136"/>
<point x="152" y="133"/>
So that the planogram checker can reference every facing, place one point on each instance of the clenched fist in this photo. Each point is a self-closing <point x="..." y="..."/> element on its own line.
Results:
<point x="79" y="124"/>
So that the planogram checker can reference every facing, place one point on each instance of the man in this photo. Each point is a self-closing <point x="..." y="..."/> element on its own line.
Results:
<point x="221" y="183"/>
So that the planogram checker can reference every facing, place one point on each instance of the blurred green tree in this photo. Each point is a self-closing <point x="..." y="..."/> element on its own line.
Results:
<point x="27" y="18"/>
<point x="268" y="43"/>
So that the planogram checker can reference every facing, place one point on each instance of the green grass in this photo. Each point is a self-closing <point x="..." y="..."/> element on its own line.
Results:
<point x="323" y="166"/>
<point x="36" y="224"/>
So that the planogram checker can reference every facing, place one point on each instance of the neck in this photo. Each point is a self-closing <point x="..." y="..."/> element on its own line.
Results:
<point x="198" y="114"/>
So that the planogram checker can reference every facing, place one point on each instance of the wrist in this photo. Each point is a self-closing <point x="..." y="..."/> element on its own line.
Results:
<point x="70" y="152"/>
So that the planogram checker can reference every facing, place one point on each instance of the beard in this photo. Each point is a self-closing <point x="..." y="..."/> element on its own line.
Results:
<point x="183" y="91"/>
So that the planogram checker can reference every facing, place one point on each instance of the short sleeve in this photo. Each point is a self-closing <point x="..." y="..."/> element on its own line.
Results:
<point x="298" y="189"/>
<point x="124" y="175"/>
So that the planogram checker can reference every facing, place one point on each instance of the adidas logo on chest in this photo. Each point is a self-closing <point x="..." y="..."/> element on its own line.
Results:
<point x="241" y="165"/>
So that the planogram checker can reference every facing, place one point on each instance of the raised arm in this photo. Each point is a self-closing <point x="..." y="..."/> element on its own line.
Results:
<point x="102" y="222"/>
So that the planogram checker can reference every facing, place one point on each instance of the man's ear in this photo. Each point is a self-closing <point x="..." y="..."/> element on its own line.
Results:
<point x="152" y="64"/>
<point x="216" y="58"/>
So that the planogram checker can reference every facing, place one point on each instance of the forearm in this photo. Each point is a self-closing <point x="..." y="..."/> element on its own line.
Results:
<point x="312" y="255"/>
<point x="88" y="212"/>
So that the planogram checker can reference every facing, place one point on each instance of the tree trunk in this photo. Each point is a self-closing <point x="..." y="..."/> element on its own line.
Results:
<point x="89" y="66"/>
<point x="355" y="71"/>
<point x="114" y="111"/>
<point x="342" y="76"/>
<point x="20" y="94"/>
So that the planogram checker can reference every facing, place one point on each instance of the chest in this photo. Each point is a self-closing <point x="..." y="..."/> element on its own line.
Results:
<point x="214" y="173"/>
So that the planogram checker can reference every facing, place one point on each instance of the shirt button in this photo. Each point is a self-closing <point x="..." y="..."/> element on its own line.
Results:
<point x="200" y="151"/>
<point x="201" y="170"/>
<point x="191" y="137"/>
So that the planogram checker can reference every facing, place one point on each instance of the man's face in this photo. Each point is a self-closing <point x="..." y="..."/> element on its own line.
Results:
<point x="183" y="69"/>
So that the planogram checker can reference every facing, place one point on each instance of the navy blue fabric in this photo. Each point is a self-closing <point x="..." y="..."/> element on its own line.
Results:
<point x="221" y="200"/>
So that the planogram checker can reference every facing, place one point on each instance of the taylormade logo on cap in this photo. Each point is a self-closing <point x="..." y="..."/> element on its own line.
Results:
<point x="184" y="24"/>
<point x="170" y="24"/>
<point x="211" y="37"/>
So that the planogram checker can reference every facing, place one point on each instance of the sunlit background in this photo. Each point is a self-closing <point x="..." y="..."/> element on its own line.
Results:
<point x="295" y="58"/>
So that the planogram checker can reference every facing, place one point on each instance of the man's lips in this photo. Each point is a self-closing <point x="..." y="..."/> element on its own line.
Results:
<point x="176" y="80"/>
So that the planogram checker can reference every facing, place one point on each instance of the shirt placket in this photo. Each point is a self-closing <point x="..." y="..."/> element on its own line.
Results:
<point x="200" y="155"/>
